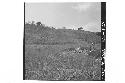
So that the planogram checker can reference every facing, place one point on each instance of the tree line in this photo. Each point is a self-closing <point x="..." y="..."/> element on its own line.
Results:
<point x="40" y="24"/>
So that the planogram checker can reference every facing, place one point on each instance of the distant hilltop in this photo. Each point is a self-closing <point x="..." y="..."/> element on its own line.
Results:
<point x="89" y="27"/>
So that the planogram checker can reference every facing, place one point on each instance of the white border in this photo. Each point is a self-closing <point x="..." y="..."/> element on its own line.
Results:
<point x="11" y="43"/>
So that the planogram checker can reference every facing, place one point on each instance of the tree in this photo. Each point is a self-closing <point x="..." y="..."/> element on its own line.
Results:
<point x="39" y="23"/>
<point x="80" y="28"/>
<point x="64" y="27"/>
<point x="33" y="22"/>
<point x="52" y="27"/>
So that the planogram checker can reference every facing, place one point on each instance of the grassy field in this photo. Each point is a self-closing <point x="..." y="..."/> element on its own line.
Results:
<point x="61" y="54"/>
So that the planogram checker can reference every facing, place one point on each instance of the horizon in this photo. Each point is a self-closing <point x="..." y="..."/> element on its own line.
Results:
<point x="30" y="22"/>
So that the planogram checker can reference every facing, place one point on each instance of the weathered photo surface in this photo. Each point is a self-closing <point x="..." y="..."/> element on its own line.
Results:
<point x="63" y="41"/>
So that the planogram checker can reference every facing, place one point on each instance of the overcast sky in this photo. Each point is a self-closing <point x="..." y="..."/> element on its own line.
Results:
<point x="70" y="15"/>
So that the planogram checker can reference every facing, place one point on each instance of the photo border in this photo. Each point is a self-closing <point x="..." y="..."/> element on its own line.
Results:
<point x="103" y="39"/>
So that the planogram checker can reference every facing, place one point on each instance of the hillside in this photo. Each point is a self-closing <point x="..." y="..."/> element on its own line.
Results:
<point x="61" y="54"/>
<point x="45" y="35"/>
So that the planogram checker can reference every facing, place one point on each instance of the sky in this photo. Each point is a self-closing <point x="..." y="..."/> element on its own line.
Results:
<point x="71" y="15"/>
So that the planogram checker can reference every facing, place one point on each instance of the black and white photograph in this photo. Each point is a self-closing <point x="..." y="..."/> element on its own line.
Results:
<point x="64" y="41"/>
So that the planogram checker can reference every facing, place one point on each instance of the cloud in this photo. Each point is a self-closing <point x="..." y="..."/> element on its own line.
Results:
<point x="82" y="7"/>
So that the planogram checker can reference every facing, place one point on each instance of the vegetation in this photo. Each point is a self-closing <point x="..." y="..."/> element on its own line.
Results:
<point x="80" y="28"/>
<point x="61" y="54"/>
